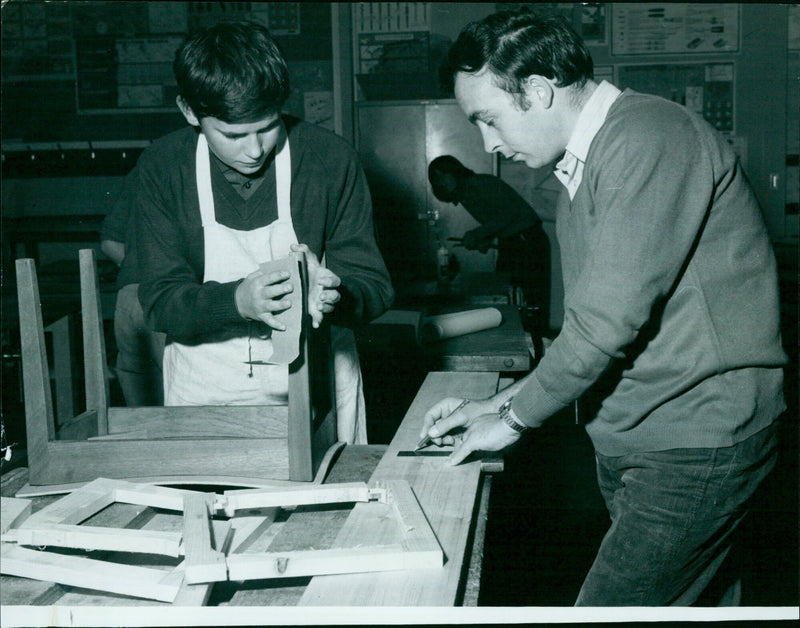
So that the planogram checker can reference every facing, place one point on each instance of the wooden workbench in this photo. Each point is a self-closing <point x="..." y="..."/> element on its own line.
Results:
<point x="454" y="499"/>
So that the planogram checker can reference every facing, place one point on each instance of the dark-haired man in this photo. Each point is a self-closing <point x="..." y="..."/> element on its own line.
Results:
<point x="671" y="307"/>
<point x="239" y="186"/>
<point x="523" y="248"/>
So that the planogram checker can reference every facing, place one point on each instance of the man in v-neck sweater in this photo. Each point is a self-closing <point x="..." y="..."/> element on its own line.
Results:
<point x="671" y="322"/>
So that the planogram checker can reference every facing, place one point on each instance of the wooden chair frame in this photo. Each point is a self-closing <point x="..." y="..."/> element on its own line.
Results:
<point x="205" y="542"/>
<point x="236" y="444"/>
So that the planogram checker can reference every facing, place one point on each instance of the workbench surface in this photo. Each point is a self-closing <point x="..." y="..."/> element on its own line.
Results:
<point x="454" y="499"/>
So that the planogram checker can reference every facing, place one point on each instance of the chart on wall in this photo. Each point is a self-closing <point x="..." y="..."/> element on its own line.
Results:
<point x="706" y="88"/>
<point x="645" y="28"/>
<point x="117" y="56"/>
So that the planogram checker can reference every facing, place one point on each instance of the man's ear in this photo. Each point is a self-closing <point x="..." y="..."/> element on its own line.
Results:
<point x="187" y="112"/>
<point x="539" y="89"/>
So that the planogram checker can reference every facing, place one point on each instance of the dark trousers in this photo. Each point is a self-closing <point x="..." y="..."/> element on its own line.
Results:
<point x="140" y="352"/>
<point x="673" y="518"/>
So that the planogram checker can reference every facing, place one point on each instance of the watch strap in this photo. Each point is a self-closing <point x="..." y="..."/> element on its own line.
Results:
<point x="505" y="416"/>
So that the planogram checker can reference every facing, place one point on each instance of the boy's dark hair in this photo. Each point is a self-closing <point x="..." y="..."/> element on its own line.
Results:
<point x="516" y="44"/>
<point x="233" y="71"/>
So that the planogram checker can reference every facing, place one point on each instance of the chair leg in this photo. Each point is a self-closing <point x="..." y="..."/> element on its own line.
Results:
<point x="39" y="416"/>
<point x="94" y="344"/>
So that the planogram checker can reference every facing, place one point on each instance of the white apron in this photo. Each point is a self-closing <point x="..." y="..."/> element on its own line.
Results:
<point x="217" y="372"/>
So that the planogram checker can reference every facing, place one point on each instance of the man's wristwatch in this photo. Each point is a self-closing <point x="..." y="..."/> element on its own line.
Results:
<point x="508" y="419"/>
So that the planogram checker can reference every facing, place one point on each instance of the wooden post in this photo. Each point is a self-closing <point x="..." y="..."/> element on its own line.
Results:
<point x="94" y="342"/>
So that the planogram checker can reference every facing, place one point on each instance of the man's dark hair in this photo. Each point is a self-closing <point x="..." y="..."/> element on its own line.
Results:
<point x="233" y="71"/>
<point x="447" y="164"/>
<point x="513" y="45"/>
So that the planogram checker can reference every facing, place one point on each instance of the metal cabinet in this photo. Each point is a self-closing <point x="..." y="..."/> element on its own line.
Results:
<point x="396" y="142"/>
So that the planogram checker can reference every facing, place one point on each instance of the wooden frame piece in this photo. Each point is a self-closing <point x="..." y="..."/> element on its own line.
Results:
<point x="257" y="442"/>
<point x="88" y="573"/>
<point x="58" y="525"/>
<point x="413" y="544"/>
<point x="205" y="543"/>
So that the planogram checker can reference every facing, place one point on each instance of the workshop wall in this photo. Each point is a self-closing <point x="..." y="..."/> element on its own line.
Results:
<point x="87" y="85"/>
<point x="736" y="64"/>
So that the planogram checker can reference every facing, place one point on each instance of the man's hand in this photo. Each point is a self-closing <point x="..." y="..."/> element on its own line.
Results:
<point x="322" y="284"/>
<point x="484" y="430"/>
<point x="261" y="296"/>
<point x="476" y="240"/>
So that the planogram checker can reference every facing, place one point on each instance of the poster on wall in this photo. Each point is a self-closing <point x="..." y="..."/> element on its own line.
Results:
<point x="706" y="88"/>
<point x="680" y="28"/>
<point x="587" y="18"/>
<point x="391" y="17"/>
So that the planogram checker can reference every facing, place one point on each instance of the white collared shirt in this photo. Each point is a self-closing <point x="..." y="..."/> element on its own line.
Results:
<point x="570" y="169"/>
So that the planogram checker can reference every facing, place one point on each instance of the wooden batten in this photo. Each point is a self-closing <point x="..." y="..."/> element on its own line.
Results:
<point x="88" y="573"/>
<point x="303" y="563"/>
<point x="102" y="538"/>
<point x="300" y="496"/>
<point x="203" y="562"/>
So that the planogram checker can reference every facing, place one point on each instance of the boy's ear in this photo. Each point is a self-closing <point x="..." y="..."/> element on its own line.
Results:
<point x="187" y="112"/>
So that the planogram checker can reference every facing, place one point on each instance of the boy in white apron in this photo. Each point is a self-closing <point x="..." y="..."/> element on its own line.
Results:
<point x="231" y="192"/>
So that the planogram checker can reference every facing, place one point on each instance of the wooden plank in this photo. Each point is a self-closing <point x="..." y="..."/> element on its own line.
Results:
<point x="82" y="461"/>
<point x="101" y="538"/>
<point x="447" y="495"/>
<point x="314" y="494"/>
<point x="76" y="507"/>
<point x="85" y="572"/>
<point x="302" y="563"/>
<point x="203" y="563"/>
<point x="200" y="421"/>
<point x="417" y="533"/>
<point x="154" y="496"/>
<point x="13" y="511"/>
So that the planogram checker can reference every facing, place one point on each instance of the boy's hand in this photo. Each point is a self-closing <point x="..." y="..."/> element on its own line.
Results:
<point x="322" y="284"/>
<point x="261" y="296"/>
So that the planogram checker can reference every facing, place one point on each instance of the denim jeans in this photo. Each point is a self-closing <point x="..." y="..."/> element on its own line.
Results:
<point x="673" y="518"/>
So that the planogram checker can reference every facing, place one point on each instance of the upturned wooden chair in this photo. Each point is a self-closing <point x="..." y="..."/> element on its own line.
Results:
<point x="233" y="445"/>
